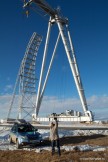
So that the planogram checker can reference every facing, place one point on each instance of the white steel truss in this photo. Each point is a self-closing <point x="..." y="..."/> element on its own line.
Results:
<point x="26" y="80"/>
<point x="62" y="23"/>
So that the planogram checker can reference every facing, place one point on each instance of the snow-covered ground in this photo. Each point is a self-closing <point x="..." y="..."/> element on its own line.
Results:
<point x="4" y="143"/>
<point x="65" y="133"/>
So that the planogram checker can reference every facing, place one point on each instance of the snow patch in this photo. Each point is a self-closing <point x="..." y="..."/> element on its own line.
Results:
<point x="4" y="143"/>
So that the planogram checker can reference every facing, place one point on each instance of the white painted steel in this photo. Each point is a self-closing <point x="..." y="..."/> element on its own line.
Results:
<point x="73" y="64"/>
<point x="42" y="67"/>
<point x="26" y="80"/>
<point x="80" y="86"/>
<point x="48" y="72"/>
<point x="62" y="24"/>
<point x="64" y="119"/>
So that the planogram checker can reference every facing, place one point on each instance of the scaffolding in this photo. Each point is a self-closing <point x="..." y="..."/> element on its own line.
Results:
<point x="25" y="86"/>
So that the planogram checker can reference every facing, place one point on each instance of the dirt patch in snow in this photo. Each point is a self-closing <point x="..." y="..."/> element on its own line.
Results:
<point x="66" y="156"/>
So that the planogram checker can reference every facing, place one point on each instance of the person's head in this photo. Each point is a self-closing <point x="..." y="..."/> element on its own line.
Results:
<point x="52" y="124"/>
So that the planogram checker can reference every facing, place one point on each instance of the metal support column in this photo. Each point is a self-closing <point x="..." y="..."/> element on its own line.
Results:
<point x="72" y="63"/>
<point x="42" y="67"/>
<point x="48" y="72"/>
<point x="77" y="71"/>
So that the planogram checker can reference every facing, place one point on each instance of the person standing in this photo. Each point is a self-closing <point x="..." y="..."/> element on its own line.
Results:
<point x="54" y="136"/>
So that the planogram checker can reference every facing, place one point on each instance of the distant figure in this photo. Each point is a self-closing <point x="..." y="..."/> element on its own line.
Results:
<point x="54" y="137"/>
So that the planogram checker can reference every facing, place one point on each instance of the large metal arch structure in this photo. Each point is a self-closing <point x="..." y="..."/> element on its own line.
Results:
<point x="64" y="34"/>
<point x="25" y="86"/>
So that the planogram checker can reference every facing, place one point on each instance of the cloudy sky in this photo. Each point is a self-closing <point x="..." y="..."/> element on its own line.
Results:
<point x="88" y="20"/>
